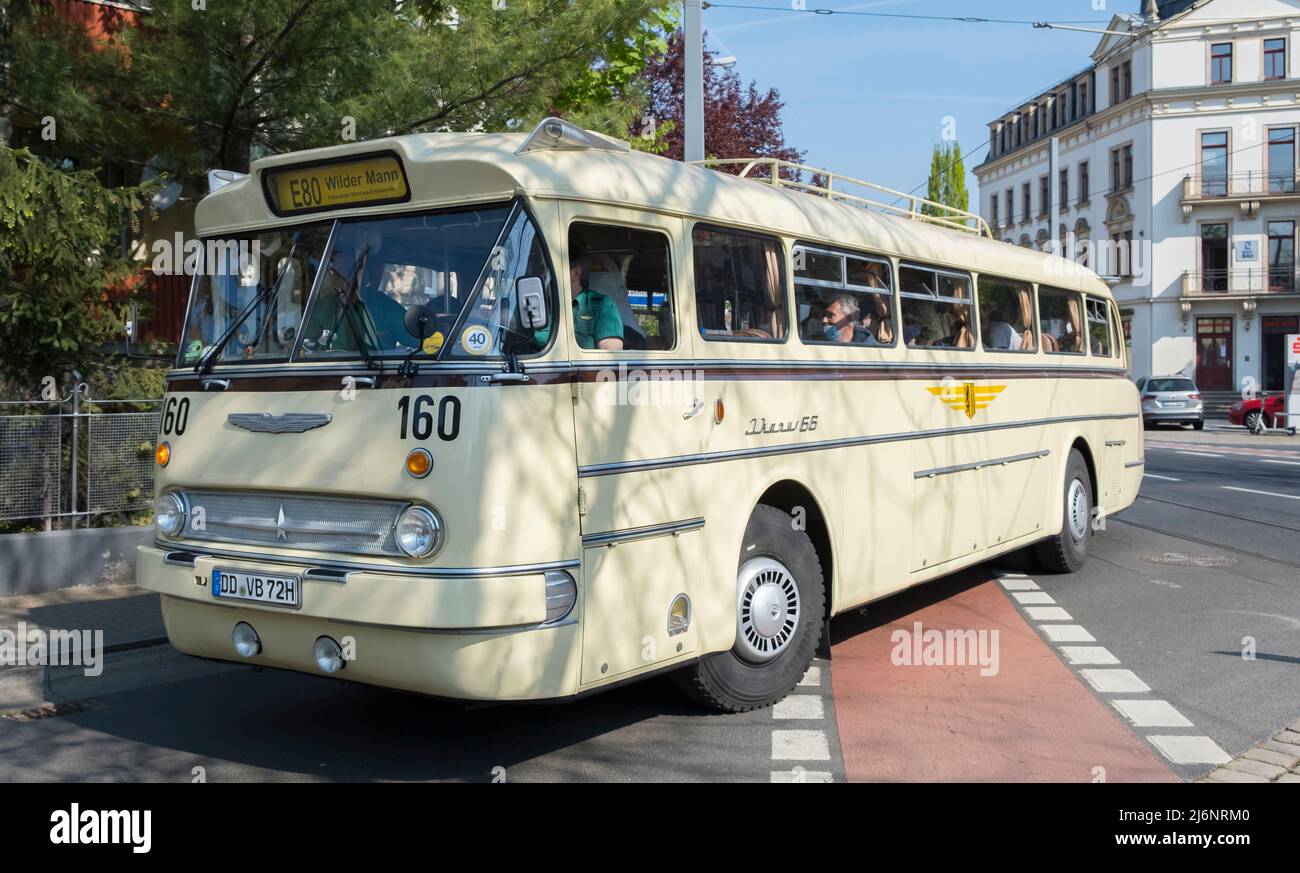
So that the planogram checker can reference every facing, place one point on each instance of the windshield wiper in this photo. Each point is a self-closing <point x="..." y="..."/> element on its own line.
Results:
<point x="347" y="310"/>
<point x="262" y="297"/>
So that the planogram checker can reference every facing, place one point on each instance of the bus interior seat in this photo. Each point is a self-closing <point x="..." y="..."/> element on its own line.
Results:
<point x="607" y="278"/>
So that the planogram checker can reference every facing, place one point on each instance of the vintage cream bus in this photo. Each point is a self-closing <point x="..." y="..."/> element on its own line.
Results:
<point x="520" y="417"/>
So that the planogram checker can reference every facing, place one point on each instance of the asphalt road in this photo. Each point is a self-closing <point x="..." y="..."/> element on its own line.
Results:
<point x="1175" y="588"/>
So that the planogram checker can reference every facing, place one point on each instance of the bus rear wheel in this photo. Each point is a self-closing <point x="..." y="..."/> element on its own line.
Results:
<point x="1066" y="552"/>
<point x="780" y="609"/>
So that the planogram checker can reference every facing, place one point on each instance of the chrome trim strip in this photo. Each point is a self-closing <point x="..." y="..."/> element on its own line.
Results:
<point x="594" y="470"/>
<point x="979" y="465"/>
<point x="1110" y="444"/>
<point x="1135" y="464"/>
<point x="201" y="551"/>
<point x="630" y="534"/>
<point x="734" y="363"/>
<point x="325" y="574"/>
<point x="180" y="559"/>
<point x="460" y="631"/>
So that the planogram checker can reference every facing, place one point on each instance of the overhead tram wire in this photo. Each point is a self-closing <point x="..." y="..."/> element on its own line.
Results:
<point x="964" y="19"/>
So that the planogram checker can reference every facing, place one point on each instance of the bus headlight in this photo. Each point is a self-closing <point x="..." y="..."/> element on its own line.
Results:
<point x="419" y="532"/>
<point x="169" y="514"/>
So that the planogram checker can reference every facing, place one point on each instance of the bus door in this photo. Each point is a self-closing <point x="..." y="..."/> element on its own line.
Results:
<point x="638" y="415"/>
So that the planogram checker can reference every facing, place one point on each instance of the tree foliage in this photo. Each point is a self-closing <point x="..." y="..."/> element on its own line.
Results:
<point x="235" y="77"/>
<point x="739" y="120"/>
<point x="59" y="251"/>
<point x="947" y="182"/>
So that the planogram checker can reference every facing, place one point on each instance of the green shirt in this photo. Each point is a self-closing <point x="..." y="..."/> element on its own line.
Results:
<point x="595" y="317"/>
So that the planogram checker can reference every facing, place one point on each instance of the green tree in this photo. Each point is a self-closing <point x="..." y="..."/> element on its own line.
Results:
<point x="208" y="87"/>
<point x="59" y="249"/>
<point x="947" y="182"/>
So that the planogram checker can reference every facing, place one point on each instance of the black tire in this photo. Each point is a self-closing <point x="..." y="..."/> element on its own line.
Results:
<point x="1067" y="551"/>
<point x="726" y="680"/>
<point x="1198" y="425"/>
<point x="1251" y="421"/>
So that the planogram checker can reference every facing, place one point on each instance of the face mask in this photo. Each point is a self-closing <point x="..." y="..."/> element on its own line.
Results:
<point x="832" y="332"/>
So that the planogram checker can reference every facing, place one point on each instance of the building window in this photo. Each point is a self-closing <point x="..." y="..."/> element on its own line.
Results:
<point x="1214" y="164"/>
<point x="1281" y="255"/>
<point x="1126" y="80"/>
<point x="1121" y="168"/>
<point x="1221" y="63"/>
<point x="993" y="210"/>
<point x="1081" y="104"/>
<point x="1011" y="206"/>
<point x="1064" y="194"/>
<point x="1083" y="182"/>
<point x="1044" y="196"/>
<point x="1281" y="160"/>
<point x="1028" y="201"/>
<point x="1275" y="59"/>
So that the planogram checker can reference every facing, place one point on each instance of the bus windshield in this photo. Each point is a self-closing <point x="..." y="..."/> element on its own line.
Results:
<point x="372" y="271"/>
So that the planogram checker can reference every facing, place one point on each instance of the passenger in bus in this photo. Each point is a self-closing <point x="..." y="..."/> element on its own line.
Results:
<point x="1002" y="336"/>
<point x="876" y="322"/>
<point x="840" y="323"/>
<point x="597" y="323"/>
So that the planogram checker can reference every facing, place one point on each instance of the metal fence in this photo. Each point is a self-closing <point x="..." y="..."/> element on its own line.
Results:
<point x="74" y="460"/>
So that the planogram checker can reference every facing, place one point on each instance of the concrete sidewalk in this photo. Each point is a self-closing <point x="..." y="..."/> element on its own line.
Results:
<point x="129" y="617"/>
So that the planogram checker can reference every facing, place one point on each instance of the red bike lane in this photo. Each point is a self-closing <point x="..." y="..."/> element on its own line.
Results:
<point x="1024" y="718"/>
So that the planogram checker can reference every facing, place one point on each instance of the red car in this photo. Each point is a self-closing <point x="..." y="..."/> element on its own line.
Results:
<point x="1247" y="412"/>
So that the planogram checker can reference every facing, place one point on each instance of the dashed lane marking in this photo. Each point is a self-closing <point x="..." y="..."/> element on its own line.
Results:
<point x="1048" y="613"/>
<point x="1100" y="669"/>
<point x="808" y="706"/>
<point x="1030" y="598"/>
<point x="1011" y="583"/>
<point x="1190" y="750"/>
<point x="1201" y="454"/>
<point x="1161" y="478"/>
<point x="1151" y="713"/>
<point x="812" y="678"/>
<point x="1261" y="493"/>
<point x="794" y="745"/>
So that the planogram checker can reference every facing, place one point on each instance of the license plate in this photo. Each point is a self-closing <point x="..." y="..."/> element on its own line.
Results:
<point x="257" y="588"/>
<point x="1177" y="403"/>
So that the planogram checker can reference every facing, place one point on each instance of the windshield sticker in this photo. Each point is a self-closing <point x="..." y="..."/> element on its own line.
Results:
<point x="476" y="339"/>
<point x="433" y="344"/>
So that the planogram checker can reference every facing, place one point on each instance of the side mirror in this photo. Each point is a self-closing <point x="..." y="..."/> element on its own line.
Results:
<point x="419" y="322"/>
<point x="532" y="302"/>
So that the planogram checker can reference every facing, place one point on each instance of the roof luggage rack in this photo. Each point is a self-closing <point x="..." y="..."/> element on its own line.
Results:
<point x="947" y="216"/>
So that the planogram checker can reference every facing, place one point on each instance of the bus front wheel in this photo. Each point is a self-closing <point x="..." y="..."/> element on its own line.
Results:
<point x="1066" y="552"/>
<point x="780" y="608"/>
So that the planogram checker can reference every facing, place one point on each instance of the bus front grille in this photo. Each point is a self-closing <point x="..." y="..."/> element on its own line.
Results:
<point x="297" y="521"/>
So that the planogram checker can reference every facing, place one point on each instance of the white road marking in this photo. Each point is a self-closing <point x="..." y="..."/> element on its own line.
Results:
<point x="1085" y="655"/>
<point x="799" y="774"/>
<point x="799" y="706"/>
<point x="1048" y="613"/>
<point x="812" y="678"/>
<point x="1190" y="750"/>
<point x="1162" y="478"/>
<point x="1019" y="584"/>
<point x="800" y="746"/>
<point x="1200" y="454"/>
<point x="1262" y="493"/>
<point x="1033" y="597"/>
<point x="1288" y="463"/>
<point x="1151" y="713"/>
<point x="1113" y="681"/>
<point x="1068" y="633"/>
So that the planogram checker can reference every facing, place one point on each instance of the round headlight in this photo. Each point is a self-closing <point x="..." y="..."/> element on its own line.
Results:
<point x="247" y="643"/>
<point x="169" y="514"/>
<point x="419" y="532"/>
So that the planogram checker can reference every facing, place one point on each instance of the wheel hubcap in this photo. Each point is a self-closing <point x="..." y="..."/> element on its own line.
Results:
<point x="767" y="609"/>
<point x="1076" y="509"/>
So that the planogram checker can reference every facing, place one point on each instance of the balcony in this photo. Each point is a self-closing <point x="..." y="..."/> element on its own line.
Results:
<point x="1239" y="283"/>
<point x="1247" y="190"/>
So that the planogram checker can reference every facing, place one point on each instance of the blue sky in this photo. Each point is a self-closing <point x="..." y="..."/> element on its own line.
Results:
<point x="868" y="96"/>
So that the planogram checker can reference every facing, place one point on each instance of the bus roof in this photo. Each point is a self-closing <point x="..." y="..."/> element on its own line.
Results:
<point x="457" y="168"/>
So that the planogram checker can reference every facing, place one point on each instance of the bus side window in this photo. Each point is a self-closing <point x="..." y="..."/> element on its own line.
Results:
<point x="843" y="298"/>
<point x="1006" y="315"/>
<point x="632" y="268"/>
<point x="739" y="285"/>
<point x="1060" y="316"/>
<point x="936" y="307"/>
<point x="1100" y="341"/>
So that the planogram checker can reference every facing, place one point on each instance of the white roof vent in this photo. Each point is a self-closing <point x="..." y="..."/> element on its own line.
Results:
<point x="556" y="133"/>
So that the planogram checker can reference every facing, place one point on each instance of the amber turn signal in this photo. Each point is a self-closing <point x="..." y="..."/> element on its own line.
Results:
<point x="162" y="454"/>
<point x="418" y="463"/>
<point x="719" y="411"/>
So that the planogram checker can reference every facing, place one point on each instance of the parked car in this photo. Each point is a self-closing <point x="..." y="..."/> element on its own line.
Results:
<point x="1171" y="400"/>
<point x="1247" y="412"/>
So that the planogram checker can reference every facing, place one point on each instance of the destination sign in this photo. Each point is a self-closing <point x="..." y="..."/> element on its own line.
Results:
<point x="364" y="181"/>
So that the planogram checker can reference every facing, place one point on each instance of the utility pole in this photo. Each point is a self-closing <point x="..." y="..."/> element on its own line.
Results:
<point x="694" y="51"/>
